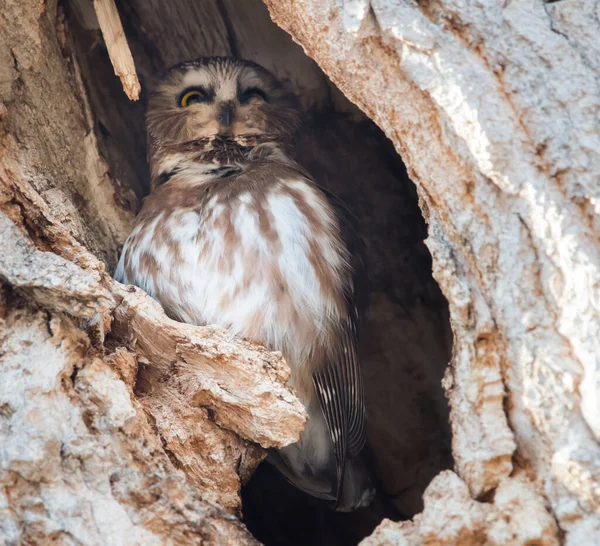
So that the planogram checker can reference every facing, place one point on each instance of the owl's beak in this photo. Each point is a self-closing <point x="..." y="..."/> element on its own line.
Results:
<point x="225" y="117"/>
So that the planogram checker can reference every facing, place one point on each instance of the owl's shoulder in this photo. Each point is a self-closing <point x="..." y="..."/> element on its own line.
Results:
<point x="173" y="196"/>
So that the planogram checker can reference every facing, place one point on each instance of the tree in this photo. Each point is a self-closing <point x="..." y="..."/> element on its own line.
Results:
<point x="119" y="424"/>
<point x="494" y="107"/>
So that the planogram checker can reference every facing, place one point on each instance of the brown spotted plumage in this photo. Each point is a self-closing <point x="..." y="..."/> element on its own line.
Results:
<point x="236" y="233"/>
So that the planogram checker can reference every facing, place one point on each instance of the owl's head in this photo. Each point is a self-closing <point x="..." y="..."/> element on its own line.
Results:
<point x="219" y="97"/>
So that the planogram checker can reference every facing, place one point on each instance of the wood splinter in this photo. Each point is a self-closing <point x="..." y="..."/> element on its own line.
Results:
<point x="117" y="46"/>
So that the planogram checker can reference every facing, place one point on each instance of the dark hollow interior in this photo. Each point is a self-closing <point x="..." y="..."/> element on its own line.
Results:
<point x="406" y="342"/>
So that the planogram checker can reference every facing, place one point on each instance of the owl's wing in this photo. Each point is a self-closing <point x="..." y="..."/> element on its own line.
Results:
<point x="340" y="390"/>
<point x="339" y="385"/>
<point x="358" y="299"/>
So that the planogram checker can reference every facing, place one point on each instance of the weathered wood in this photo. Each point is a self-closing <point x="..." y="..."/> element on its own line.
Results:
<point x="118" y="424"/>
<point x="451" y="516"/>
<point x="242" y="384"/>
<point x="495" y="109"/>
<point x="118" y="48"/>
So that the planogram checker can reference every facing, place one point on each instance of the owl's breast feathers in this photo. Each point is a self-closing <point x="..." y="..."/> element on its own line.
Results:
<point x="255" y="251"/>
<point x="261" y="252"/>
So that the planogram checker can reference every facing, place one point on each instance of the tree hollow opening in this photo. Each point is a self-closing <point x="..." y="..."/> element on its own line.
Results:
<point x="406" y="342"/>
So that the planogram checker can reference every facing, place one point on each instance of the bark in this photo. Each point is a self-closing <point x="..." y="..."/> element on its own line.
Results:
<point x="495" y="110"/>
<point x="119" y="425"/>
<point x="83" y="460"/>
<point x="93" y="462"/>
<point x="452" y="516"/>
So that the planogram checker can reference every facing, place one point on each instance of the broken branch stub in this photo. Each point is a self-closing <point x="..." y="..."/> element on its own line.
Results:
<point x="117" y="46"/>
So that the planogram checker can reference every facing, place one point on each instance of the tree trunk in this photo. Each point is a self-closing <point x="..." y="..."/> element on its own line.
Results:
<point x="121" y="426"/>
<point x="495" y="108"/>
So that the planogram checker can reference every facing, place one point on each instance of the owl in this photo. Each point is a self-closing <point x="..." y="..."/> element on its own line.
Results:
<point x="235" y="233"/>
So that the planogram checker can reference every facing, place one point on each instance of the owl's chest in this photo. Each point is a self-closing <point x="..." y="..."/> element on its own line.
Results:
<point x="265" y="265"/>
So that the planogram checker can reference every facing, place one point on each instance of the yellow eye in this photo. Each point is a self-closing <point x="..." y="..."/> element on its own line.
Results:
<point x="192" y="96"/>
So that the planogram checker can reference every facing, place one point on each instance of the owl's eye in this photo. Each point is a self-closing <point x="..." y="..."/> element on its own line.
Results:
<point x="191" y="96"/>
<point x="251" y="93"/>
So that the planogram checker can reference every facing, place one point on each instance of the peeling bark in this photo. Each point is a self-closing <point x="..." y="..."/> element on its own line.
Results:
<point x="242" y="384"/>
<point x="80" y="461"/>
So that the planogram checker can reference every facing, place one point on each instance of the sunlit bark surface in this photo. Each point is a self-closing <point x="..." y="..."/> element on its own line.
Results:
<point x="118" y="425"/>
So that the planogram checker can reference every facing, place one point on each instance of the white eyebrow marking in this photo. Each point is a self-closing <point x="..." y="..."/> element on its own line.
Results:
<point x="196" y="78"/>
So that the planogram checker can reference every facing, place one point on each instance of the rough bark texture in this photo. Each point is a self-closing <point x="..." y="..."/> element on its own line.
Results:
<point x="73" y="172"/>
<point x="495" y="108"/>
<point x="121" y="426"/>
<point x="82" y="459"/>
<point x="452" y="516"/>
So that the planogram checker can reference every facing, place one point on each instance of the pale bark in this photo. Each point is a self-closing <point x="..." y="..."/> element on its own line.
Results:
<point x="495" y="108"/>
<point x="119" y="425"/>
<point x="451" y="516"/>
<point x="82" y="459"/>
<point x="84" y="454"/>
<point x="118" y="48"/>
